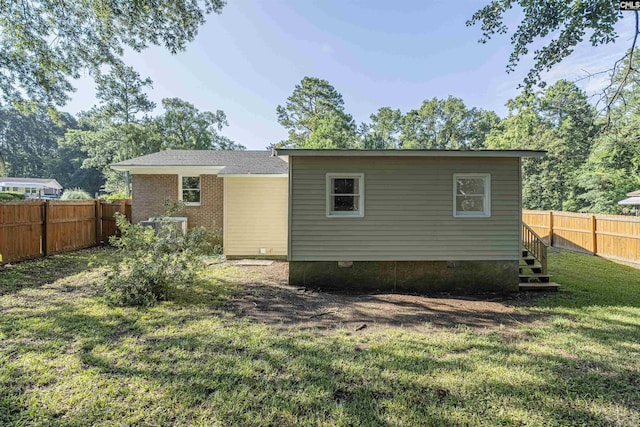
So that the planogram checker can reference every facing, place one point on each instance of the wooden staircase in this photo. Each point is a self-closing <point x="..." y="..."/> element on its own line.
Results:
<point x="533" y="263"/>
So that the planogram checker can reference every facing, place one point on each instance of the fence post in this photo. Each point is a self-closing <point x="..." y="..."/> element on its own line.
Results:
<point x="98" y="205"/>
<point x="550" y="228"/>
<point x="594" y="234"/>
<point x="45" y="219"/>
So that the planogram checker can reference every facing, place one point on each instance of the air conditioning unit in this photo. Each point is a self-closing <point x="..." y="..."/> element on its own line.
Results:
<point x="178" y="222"/>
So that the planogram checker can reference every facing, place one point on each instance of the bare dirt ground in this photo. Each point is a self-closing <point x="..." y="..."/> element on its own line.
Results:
<point x="267" y="298"/>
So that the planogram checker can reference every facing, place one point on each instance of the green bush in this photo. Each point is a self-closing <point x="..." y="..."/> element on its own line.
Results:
<point x="75" y="194"/>
<point x="154" y="262"/>
<point x="11" y="195"/>
<point x="113" y="197"/>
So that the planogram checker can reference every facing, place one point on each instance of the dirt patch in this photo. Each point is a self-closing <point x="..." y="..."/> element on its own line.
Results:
<point x="267" y="298"/>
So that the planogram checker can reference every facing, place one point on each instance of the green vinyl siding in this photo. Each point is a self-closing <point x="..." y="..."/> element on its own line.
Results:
<point x="408" y="205"/>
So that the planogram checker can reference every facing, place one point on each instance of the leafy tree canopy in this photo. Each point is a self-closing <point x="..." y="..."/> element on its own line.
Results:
<point x="383" y="132"/>
<point x="315" y="118"/>
<point x="446" y="124"/>
<point x="559" y="120"/>
<point x="121" y="95"/>
<point x="185" y="127"/>
<point x="613" y="166"/>
<point x="28" y="139"/>
<point x="46" y="43"/>
<point x="567" y="23"/>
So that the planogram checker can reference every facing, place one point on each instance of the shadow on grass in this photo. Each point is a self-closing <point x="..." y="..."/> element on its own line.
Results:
<point x="42" y="271"/>
<point x="193" y="361"/>
<point x="203" y="369"/>
<point x="588" y="280"/>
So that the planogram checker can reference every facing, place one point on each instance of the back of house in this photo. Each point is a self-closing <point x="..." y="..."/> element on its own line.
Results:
<point x="414" y="220"/>
<point x="240" y="195"/>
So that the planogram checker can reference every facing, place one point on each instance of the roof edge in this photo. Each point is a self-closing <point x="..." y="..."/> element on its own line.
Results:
<point x="409" y="153"/>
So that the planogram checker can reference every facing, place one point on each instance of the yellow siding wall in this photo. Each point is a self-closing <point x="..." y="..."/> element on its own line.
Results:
<point x="255" y="216"/>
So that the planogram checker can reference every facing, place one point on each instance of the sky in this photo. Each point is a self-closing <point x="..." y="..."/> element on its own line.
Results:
<point x="396" y="53"/>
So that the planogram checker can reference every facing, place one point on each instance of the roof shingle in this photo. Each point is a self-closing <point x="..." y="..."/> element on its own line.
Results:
<point x="234" y="162"/>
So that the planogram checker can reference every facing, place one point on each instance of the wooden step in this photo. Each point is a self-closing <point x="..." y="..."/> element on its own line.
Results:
<point x="528" y="262"/>
<point x="539" y="286"/>
<point x="534" y="268"/>
<point x="536" y="276"/>
<point x="525" y="253"/>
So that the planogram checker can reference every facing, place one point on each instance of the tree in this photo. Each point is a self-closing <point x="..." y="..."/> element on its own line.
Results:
<point x="185" y="127"/>
<point x="114" y="130"/>
<point x="105" y="144"/>
<point x="121" y="95"/>
<point x="613" y="166"/>
<point x="28" y="139"/>
<point x="446" y="124"/>
<point x="46" y="43"/>
<point x="559" y="120"/>
<point x="65" y="165"/>
<point x="384" y="131"/>
<point x="314" y="117"/>
<point x="569" y="22"/>
<point x="34" y="147"/>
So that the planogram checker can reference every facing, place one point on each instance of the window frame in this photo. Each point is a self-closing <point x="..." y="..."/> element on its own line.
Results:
<point x="329" y="196"/>
<point x="486" y="212"/>
<point x="181" y="189"/>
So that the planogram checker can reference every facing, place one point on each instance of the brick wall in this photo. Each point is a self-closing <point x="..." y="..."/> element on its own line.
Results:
<point x="150" y="192"/>
<point x="209" y="214"/>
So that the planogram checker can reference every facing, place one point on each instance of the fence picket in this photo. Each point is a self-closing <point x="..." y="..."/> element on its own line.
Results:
<point x="31" y="229"/>
<point x="609" y="236"/>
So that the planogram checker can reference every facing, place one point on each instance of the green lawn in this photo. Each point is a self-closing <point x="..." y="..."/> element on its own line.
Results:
<point x="67" y="358"/>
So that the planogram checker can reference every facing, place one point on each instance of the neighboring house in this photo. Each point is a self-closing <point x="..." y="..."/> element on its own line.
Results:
<point x="239" y="194"/>
<point x="419" y="220"/>
<point x="31" y="187"/>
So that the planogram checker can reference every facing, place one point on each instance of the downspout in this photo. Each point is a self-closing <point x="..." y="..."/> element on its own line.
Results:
<point x="127" y="189"/>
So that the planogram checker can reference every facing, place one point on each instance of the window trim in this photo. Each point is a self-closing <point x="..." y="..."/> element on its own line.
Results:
<point x="486" y="213"/>
<point x="328" y="204"/>
<point x="180" y="190"/>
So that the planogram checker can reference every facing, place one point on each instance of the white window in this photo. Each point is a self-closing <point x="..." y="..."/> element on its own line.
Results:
<point x="471" y="195"/>
<point x="190" y="190"/>
<point x="345" y="195"/>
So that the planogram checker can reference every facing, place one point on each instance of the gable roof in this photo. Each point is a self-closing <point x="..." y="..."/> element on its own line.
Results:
<point x="230" y="162"/>
<point x="410" y="153"/>
<point x="7" y="181"/>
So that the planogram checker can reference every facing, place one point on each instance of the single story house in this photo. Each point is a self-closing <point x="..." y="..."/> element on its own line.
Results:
<point x="418" y="220"/>
<point x="239" y="194"/>
<point x="31" y="187"/>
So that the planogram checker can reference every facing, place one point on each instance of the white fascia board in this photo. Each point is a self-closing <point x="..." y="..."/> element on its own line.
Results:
<point x="169" y="170"/>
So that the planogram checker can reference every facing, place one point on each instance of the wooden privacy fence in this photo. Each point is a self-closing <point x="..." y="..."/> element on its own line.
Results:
<point x="30" y="229"/>
<point x="610" y="236"/>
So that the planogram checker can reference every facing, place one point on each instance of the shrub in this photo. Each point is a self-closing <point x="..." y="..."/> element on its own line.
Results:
<point x="11" y="195"/>
<point x="153" y="263"/>
<point x="75" y="194"/>
<point x="113" y="197"/>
